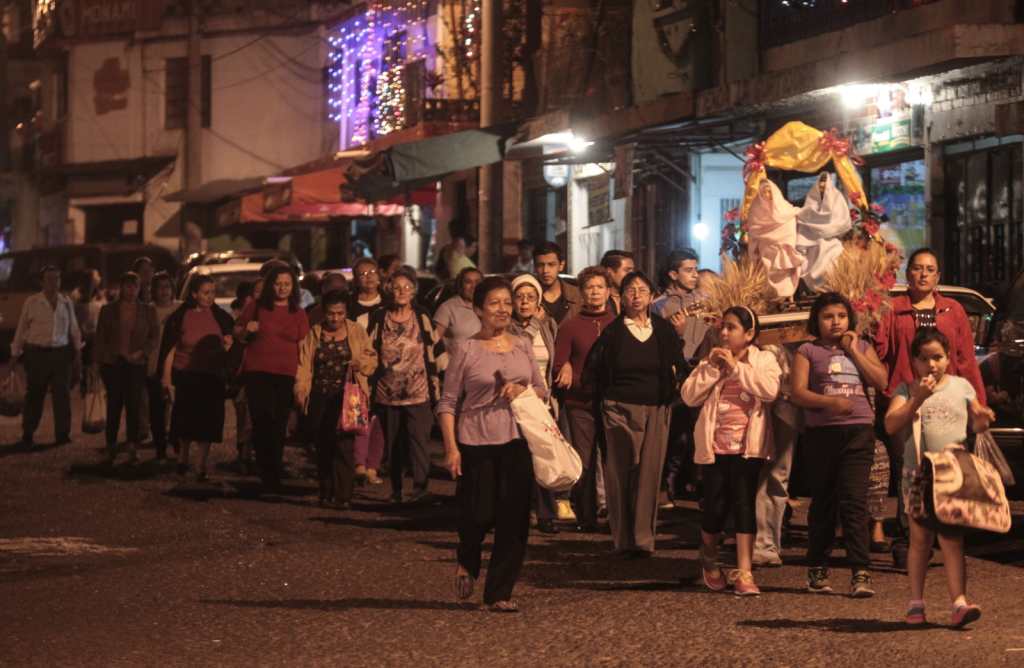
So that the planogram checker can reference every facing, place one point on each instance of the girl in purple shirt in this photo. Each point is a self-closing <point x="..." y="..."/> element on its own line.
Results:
<point x="830" y="377"/>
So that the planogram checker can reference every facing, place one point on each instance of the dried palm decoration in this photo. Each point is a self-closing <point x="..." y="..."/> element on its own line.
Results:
<point x="742" y="282"/>
<point x="863" y="274"/>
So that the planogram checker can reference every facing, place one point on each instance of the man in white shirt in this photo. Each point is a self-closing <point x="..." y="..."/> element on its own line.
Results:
<point x="48" y="342"/>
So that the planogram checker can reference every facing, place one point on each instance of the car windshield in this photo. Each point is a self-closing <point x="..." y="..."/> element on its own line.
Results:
<point x="227" y="283"/>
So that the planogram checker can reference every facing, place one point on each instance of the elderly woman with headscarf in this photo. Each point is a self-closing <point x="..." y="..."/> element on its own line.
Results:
<point x="824" y="218"/>
<point x="771" y="227"/>
<point x="537" y="329"/>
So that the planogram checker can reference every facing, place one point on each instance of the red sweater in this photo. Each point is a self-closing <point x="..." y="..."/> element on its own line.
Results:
<point x="275" y="347"/>
<point x="576" y="336"/>
<point x="896" y="332"/>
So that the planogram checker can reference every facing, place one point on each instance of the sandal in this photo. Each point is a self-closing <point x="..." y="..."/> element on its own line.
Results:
<point x="504" y="606"/>
<point x="464" y="583"/>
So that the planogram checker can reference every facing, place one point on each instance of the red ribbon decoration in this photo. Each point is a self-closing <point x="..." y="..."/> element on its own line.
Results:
<point x="832" y="142"/>
<point x="755" y="160"/>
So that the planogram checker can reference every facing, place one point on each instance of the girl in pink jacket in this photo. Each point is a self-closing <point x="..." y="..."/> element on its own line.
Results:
<point x="736" y="384"/>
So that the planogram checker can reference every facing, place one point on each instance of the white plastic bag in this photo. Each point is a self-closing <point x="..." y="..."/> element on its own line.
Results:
<point x="556" y="465"/>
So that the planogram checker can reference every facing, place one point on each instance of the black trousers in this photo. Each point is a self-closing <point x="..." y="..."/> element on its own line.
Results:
<point x="583" y="429"/>
<point x="730" y="484"/>
<point x="270" y="403"/>
<point x="47" y="369"/>
<point x="679" y="467"/>
<point x="157" y="414"/>
<point x="406" y="438"/>
<point x="494" y="493"/>
<point x="125" y="382"/>
<point x="335" y="452"/>
<point x="838" y="461"/>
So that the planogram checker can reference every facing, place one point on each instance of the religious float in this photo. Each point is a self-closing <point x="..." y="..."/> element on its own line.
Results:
<point x="780" y="256"/>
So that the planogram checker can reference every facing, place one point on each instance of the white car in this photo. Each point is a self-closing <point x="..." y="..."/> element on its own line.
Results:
<point x="227" y="277"/>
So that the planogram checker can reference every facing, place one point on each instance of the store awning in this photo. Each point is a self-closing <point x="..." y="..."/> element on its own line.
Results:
<point x="312" y="197"/>
<point x="412" y="165"/>
<point x="214" y="191"/>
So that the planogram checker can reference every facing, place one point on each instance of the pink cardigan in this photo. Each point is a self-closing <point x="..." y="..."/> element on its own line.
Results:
<point x="759" y="375"/>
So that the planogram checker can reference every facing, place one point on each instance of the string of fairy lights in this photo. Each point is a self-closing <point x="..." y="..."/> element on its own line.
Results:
<point x="367" y="57"/>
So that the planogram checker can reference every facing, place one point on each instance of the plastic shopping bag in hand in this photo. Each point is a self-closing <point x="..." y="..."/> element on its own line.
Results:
<point x="12" y="393"/>
<point x="556" y="465"/>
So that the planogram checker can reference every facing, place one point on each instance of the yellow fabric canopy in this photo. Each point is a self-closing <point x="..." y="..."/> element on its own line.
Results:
<point x="799" y="147"/>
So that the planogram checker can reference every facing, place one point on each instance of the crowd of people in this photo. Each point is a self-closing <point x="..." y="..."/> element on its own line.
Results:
<point x="653" y="396"/>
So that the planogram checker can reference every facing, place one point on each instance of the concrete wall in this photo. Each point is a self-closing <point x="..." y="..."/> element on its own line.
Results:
<point x="267" y="110"/>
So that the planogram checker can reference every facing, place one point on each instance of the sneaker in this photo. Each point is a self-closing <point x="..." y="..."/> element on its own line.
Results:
<point x="361" y="471"/>
<point x="372" y="478"/>
<point x="964" y="615"/>
<point x="817" y="580"/>
<point x="743" y="583"/>
<point x="564" y="511"/>
<point x="860" y="585"/>
<point x="714" y="579"/>
<point x="915" y="615"/>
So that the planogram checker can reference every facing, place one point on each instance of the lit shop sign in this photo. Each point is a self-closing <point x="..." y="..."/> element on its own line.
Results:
<point x="95" y="18"/>
<point x="885" y="117"/>
<point x="556" y="176"/>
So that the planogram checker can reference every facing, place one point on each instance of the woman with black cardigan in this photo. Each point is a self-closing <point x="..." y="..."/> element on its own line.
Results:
<point x="636" y="365"/>
<point x="191" y="364"/>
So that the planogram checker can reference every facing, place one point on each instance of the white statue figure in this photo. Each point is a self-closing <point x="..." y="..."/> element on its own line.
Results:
<point x="824" y="218"/>
<point x="771" y="231"/>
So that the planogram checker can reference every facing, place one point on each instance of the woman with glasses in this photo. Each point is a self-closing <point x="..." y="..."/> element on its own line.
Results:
<point x="366" y="298"/>
<point x="635" y="367"/>
<point x="537" y="329"/>
<point x="405" y="385"/>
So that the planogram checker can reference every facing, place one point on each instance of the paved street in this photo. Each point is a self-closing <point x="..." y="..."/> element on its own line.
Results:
<point x="132" y="567"/>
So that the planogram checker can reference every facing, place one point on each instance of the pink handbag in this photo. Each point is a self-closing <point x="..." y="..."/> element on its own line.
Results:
<point x="355" y="407"/>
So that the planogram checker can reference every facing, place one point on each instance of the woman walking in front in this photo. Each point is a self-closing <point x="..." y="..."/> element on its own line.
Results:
<point x="272" y="327"/>
<point x="484" y="450"/>
<point x="636" y="365"/>
<point x="736" y="384"/>
<point x="327" y="355"/>
<point x="126" y="337"/>
<point x="406" y="383"/>
<point x="191" y="363"/>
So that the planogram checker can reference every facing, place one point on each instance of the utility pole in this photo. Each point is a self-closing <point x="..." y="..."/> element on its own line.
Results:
<point x="5" y="124"/>
<point x="490" y="178"/>
<point x="194" y="118"/>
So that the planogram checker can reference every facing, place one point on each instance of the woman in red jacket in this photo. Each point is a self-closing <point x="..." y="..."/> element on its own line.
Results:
<point x="922" y="306"/>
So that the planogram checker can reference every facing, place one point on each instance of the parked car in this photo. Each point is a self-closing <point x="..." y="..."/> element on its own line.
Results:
<point x="19" y="272"/>
<point x="227" y="278"/>
<point x="245" y="256"/>
<point x="1002" y="368"/>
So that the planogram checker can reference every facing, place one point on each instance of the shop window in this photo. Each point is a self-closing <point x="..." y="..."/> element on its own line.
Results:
<point x="899" y="188"/>
<point x="984" y="237"/>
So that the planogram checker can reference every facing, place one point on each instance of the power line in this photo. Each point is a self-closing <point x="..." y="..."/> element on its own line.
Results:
<point x="220" y="56"/>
